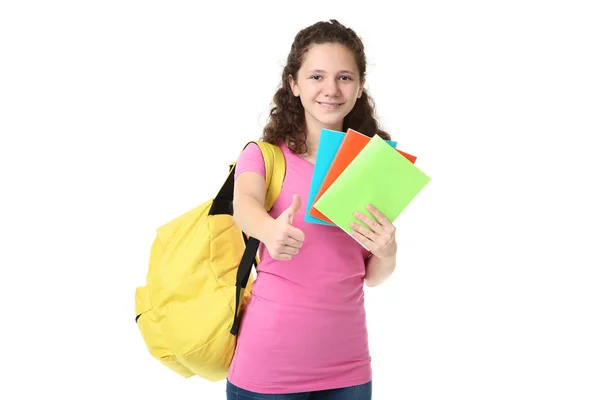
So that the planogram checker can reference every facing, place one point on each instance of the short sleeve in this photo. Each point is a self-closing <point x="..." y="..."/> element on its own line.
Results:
<point x="251" y="159"/>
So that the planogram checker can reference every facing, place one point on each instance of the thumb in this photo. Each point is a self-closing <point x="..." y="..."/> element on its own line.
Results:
<point x="293" y="209"/>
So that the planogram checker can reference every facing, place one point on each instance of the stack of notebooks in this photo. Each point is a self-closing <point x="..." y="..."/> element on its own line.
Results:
<point x="353" y="170"/>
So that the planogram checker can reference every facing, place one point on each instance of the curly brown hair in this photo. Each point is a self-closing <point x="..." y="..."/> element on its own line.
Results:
<point x="286" y="119"/>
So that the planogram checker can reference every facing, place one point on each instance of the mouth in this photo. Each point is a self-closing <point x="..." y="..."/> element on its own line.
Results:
<point x="330" y="106"/>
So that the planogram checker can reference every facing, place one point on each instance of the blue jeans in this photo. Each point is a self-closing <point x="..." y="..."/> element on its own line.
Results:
<point x="360" y="392"/>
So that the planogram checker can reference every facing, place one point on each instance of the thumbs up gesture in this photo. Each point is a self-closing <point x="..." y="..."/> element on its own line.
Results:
<point x="286" y="240"/>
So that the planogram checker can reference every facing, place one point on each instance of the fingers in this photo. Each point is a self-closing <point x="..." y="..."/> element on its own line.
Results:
<point x="363" y="239"/>
<point x="296" y="203"/>
<point x="381" y="218"/>
<point x="290" y="250"/>
<point x="285" y="253"/>
<point x="375" y="227"/>
<point x="288" y="244"/>
<point x="295" y="234"/>
<point x="292" y="237"/>
<point x="381" y="225"/>
<point x="364" y="232"/>
<point x="293" y="243"/>
<point x="293" y="209"/>
<point x="380" y="231"/>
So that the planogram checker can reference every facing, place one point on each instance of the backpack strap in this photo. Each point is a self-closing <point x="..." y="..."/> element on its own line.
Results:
<point x="274" y="174"/>
<point x="274" y="171"/>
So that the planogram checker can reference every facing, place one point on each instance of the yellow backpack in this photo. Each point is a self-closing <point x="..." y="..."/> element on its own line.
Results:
<point x="199" y="276"/>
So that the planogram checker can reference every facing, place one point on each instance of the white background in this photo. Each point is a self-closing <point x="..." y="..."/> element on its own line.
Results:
<point x="117" y="116"/>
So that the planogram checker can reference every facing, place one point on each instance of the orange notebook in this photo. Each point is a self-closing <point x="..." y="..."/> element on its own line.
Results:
<point x="352" y="144"/>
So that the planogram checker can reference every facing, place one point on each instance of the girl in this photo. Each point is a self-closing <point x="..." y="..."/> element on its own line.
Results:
<point x="303" y="333"/>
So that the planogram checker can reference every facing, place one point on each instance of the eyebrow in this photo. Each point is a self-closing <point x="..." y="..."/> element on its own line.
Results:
<point x="320" y="71"/>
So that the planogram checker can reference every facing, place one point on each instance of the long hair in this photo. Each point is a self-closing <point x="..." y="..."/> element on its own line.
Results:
<point x="286" y="119"/>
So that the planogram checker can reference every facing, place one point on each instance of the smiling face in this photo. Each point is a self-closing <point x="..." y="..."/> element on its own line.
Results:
<point x="328" y="84"/>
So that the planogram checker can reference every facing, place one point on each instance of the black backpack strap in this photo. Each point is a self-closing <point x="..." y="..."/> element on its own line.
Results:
<point x="223" y="201"/>
<point x="243" y="275"/>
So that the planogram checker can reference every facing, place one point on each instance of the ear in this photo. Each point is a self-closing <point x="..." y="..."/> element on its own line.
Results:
<point x="293" y="86"/>
<point x="360" y="90"/>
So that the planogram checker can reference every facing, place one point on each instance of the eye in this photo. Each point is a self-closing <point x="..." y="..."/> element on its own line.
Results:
<point x="345" y="78"/>
<point x="315" y="77"/>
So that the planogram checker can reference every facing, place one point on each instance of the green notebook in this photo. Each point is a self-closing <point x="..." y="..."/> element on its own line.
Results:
<point x="379" y="175"/>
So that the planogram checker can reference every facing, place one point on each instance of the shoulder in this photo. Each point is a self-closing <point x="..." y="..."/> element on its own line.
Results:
<point x="251" y="159"/>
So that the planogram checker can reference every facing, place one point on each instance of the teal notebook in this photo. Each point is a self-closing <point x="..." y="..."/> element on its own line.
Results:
<point x="379" y="175"/>
<point x="329" y="144"/>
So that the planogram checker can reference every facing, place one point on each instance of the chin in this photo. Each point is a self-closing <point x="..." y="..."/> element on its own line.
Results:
<point x="331" y="123"/>
<point x="331" y="119"/>
<point x="328" y="120"/>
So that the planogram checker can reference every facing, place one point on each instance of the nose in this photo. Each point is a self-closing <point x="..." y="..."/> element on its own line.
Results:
<point x="331" y="88"/>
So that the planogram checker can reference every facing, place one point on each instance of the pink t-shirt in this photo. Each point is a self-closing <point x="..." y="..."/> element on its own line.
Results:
<point x="304" y="328"/>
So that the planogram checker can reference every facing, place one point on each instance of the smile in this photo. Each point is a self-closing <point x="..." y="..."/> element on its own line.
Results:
<point x="330" y="106"/>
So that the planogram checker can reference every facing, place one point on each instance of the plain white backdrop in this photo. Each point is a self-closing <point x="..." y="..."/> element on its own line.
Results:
<point x="117" y="116"/>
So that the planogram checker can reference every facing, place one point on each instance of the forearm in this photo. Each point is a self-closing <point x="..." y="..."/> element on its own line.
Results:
<point x="252" y="218"/>
<point x="378" y="270"/>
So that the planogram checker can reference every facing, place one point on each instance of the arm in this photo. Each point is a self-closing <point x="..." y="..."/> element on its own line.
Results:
<point x="248" y="205"/>
<point x="379" y="270"/>
<point x="280" y="237"/>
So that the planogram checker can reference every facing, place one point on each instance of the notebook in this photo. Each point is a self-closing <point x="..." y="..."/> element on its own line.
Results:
<point x="329" y="143"/>
<point x="379" y="175"/>
<point x="352" y="144"/>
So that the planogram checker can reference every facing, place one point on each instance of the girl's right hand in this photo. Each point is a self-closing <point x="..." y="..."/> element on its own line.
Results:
<point x="285" y="240"/>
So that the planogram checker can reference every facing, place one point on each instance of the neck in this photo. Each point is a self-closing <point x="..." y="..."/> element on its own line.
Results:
<point x="313" y="135"/>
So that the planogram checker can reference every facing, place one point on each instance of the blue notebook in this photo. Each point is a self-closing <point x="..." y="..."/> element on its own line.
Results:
<point x="329" y="144"/>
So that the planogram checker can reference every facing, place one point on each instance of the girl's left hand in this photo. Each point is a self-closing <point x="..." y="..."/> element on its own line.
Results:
<point x="380" y="239"/>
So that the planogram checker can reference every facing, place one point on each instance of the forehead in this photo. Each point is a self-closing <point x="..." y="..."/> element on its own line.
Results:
<point x="329" y="57"/>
